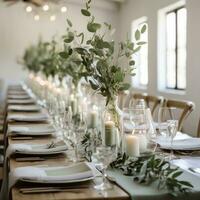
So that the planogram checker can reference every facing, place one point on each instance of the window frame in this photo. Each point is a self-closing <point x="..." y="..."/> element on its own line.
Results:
<point x="135" y="81"/>
<point x="175" y="10"/>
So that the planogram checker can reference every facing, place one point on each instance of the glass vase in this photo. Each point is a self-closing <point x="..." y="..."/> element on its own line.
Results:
<point x="112" y="125"/>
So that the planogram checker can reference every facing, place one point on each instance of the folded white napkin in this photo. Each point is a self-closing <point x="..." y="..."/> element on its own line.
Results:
<point x="36" y="148"/>
<point x="58" y="174"/>
<point x="23" y="107"/>
<point x="14" y="96"/>
<point x="181" y="144"/>
<point x="188" y="162"/>
<point x="30" y="129"/>
<point x="27" y="116"/>
<point x="21" y="101"/>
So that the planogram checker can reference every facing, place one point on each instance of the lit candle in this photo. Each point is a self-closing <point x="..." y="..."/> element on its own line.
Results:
<point x="93" y="119"/>
<point x="132" y="145"/>
<point x="109" y="133"/>
<point x="142" y="143"/>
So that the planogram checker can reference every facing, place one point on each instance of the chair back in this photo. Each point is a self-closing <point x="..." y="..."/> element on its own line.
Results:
<point x="185" y="107"/>
<point x="152" y="102"/>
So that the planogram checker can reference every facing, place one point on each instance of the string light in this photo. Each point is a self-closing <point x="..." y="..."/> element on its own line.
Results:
<point x="63" y="9"/>
<point x="36" y="17"/>
<point x="52" y="18"/>
<point x="45" y="7"/>
<point x="29" y="9"/>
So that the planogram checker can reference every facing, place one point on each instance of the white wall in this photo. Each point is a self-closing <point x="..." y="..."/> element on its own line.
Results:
<point x="18" y="30"/>
<point x="134" y="9"/>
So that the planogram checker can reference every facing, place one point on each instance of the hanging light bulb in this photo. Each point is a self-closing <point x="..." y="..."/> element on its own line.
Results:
<point x="29" y="9"/>
<point x="63" y="9"/>
<point x="36" y="17"/>
<point x="45" y="7"/>
<point x="52" y="18"/>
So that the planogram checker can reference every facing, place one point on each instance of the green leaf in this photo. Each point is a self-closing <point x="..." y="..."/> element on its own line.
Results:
<point x="93" y="27"/>
<point x="136" y="49"/>
<point x="124" y="86"/>
<point x="143" y="29"/>
<point x="118" y="76"/>
<point x="93" y="85"/>
<point x="85" y="12"/>
<point x="69" y="22"/>
<point x="137" y="34"/>
<point x="132" y="62"/>
<point x="69" y="38"/>
<point x="186" y="183"/>
<point x="64" y="55"/>
<point x="176" y="174"/>
<point x="141" y="43"/>
<point x="82" y="37"/>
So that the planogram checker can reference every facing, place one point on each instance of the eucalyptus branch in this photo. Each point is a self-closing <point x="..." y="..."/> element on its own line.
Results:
<point x="151" y="168"/>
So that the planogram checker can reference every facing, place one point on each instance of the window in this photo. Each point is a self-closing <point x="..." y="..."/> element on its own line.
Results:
<point x="141" y="58"/>
<point x="176" y="49"/>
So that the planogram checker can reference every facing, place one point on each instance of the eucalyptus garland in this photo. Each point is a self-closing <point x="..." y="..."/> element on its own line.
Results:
<point x="151" y="168"/>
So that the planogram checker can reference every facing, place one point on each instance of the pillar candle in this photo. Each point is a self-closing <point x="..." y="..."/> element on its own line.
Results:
<point x="93" y="119"/>
<point x="109" y="133"/>
<point x="142" y="143"/>
<point x="132" y="145"/>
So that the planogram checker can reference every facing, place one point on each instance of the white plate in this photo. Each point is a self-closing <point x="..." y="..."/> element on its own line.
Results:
<point x="24" y="108"/>
<point x="41" y="153"/>
<point x="62" y="181"/>
<point x="18" y="97"/>
<point x="29" y="117"/>
<point x="33" y="129"/>
<point x="21" y="101"/>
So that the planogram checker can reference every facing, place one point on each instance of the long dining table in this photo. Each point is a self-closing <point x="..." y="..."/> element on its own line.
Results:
<point x="85" y="193"/>
<point x="123" y="187"/>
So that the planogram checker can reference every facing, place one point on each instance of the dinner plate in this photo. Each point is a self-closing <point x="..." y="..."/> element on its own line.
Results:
<point x="18" y="97"/>
<point x="31" y="130"/>
<point x="189" y="144"/>
<point x="24" y="108"/>
<point x="74" y="173"/>
<point x="28" y="117"/>
<point x="21" y="101"/>
<point x="58" y="182"/>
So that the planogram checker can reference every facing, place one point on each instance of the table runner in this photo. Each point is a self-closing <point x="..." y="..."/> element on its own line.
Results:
<point x="142" y="192"/>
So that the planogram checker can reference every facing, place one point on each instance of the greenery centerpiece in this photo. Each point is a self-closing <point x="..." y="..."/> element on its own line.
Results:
<point x="111" y="62"/>
<point x="34" y="56"/>
<point x="151" y="168"/>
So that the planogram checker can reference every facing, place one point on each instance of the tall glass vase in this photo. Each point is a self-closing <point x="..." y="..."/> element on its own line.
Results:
<point x="112" y="125"/>
<point x="75" y="98"/>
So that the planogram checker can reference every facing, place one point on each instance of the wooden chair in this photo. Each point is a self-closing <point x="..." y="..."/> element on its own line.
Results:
<point x="152" y="102"/>
<point x="185" y="107"/>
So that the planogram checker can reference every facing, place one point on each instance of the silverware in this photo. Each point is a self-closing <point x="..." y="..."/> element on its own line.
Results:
<point x="53" y="189"/>
<point x="51" y="145"/>
<point x="21" y="138"/>
<point x="30" y="159"/>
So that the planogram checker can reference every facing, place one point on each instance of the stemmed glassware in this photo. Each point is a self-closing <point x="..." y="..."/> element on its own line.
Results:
<point x="106" y="150"/>
<point x="78" y="129"/>
<point x="168" y="125"/>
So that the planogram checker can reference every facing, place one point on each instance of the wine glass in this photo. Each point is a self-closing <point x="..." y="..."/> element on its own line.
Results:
<point x="168" y="125"/>
<point x="106" y="150"/>
<point x="104" y="155"/>
<point x="79" y="126"/>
